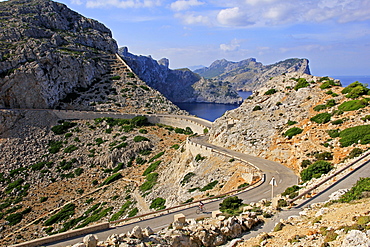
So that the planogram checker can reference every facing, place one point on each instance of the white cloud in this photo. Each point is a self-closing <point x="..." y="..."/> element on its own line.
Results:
<point x="278" y="12"/>
<point x="234" y="45"/>
<point x="233" y="17"/>
<point x="123" y="4"/>
<point x="191" y="18"/>
<point x="184" y="4"/>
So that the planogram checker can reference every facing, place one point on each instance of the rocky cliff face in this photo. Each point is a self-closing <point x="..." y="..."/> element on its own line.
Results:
<point x="180" y="85"/>
<point x="259" y="126"/>
<point x="46" y="51"/>
<point x="248" y="74"/>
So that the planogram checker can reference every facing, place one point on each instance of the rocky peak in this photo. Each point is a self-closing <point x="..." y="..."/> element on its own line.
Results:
<point x="180" y="85"/>
<point x="46" y="51"/>
<point x="249" y="74"/>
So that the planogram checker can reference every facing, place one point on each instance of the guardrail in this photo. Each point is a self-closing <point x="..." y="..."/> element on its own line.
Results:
<point x="330" y="177"/>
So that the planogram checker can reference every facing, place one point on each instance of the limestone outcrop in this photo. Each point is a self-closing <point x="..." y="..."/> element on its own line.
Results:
<point x="248" y="74"/>
<point x="207" y="232"/>
<point x="46" y="51"/>
<point x="180" y="85"/>
<point x="288" y="102"/>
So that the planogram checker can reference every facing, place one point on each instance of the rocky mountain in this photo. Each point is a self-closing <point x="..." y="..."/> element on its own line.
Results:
<point x="53" y="57"/>
<point x="296" y="119"/>
<point x="47" y="50"/>
<point x="248" y="74"/>
<point x="181" y="85"/>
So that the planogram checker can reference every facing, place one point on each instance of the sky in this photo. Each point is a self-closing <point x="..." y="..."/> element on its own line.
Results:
<point x="334" y="35"/>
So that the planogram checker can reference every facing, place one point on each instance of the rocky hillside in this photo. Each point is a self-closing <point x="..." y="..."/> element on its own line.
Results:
<point x="298" y="119"/>
<point x="248" y="74"/>
<point x="181" y="85"/>
<point x="46" y="51"/>
<point x="52" y="57"/>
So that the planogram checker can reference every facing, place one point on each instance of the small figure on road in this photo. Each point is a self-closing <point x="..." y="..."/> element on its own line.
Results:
<point x="201" y="205"/>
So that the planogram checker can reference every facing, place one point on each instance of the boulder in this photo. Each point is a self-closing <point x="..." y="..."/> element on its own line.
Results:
<point x="179" y="217"/>
<point x="90" y="240"/>
<point x="137" y="232"/>
<point x="356" y="238"/>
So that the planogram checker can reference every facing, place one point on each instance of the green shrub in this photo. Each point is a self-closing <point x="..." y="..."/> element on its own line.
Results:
<point x="38" y="166"/>
<point x="243" y="185"/>
<point x="112" y="178"/>
<point x="355" y="193"/>
<point x="63" y="128"/>
<point x="16" y="184"/>
<point x="278" y="227"/>
<point x="316" y="170"/>
<point x="140" y="121"/>
<point x="209" y="186"/>
<point x="292" y="132"/>
<point x="140" y="139"/>
<point x="43" y="199"/>
<point x="175" y="146"/>
<point x="199" y="157"/>
<point x="67" y="211"/>
<point x="291" y="191"/>
<point x="140" y="161"/>
<point x="152" y="167"/>
<point x="130" y="75"/>
<point x="291" y="122"/>
<point x="321" y="118"/>
<point x="257" y="108"/>
<point x="186" y="131"/>
<point x="70" y="149"/>
<point x="282" y="203"/>
<point x="95" y="217"/>
<point x="158" y="155"/>
<point x="187" y="178"/>
<point x="357" y="134"/>
<point x="143" y="131"/>
<point x="151" y="180"/>
<point x="355" y="90"/>
<point x="158" y="203"/>
<point x="319" y="107"/>
<point x="14" y="218"/>
<point x="333" y="133"/>
<point x="324" y="156"/>
<point x="116" y="77"/>
<point x="99" y="141"/>
<point x="55" y="146"/>
<point x="353" y="105"/>
<point x="205" y="131"/>
<point x="79" y="171"/>
<point x="231" y="204"/>
<point x="133" y="212"/>
<point x="270" y="91"/>
<point x="367" y="117"/>
<point x="305" y="163"/>
<point x="301" y="83"/>
<point x="337" y="122"/>
<point x="123" y="209"/>
<point x="355" y="153"/>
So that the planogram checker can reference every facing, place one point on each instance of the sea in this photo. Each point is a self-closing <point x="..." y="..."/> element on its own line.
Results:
<point x="212" y="111"/>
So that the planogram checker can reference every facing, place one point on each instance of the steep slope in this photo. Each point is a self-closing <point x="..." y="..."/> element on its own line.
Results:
<point x="46" y="51"/>
<point x="52" y="57"/>
<point x="181" y="85"/>
<point x="297" y="119"/>
<point x="248" y="74"/>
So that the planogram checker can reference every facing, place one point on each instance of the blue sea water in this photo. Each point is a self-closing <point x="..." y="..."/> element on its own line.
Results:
<point x="211" y="111"/>
<point x="348" y="79"/>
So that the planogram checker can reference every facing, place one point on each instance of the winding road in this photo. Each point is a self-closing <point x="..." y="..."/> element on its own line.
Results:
<point x="283" y="176"/>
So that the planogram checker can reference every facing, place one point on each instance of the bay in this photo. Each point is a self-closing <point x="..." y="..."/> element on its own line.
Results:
<point x="210" y="111"/>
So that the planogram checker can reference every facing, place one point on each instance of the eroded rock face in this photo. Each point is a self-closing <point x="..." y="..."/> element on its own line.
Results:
<point x="46" y="51"/>
<point x="180" y="85"/>
<point x="248" y="74"/>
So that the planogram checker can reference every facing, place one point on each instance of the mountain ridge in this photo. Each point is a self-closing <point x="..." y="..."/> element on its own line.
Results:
<point x="248" y="74"/>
